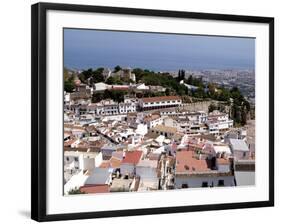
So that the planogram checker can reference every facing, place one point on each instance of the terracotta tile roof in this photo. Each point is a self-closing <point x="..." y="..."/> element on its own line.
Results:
<point x="185" y="162"/>
<point x="91" y="189"/>
<point x="151" y="117"/>
<point x="132" y="157"/>
<point x="163" y="128"/>
<point x="112" y="163"/>
<point x="160" y="98"/>
<point x="115" y="162"/>
<point x="222" y="161"/>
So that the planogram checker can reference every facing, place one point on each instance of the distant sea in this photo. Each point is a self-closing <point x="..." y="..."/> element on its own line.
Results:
<point x="159" y="64"/>
<point x="154" y="51"/>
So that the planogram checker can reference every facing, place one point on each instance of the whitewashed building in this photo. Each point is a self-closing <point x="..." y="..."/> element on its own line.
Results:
<point x="76" y="160"/>
<point x="153" y="120"/>
<point x="147" y="170"/>
<point x="100" y="86"/>
<point x="125" y="108"/>
<point x="239" y="149"/>
<point x="109" y="107"/>
<point x="129" y="162"/>
<point x="192" y="170"/>
<point x="218" y="122"/>
<point x="100" y="176"/>
<point x="151" y="103"/>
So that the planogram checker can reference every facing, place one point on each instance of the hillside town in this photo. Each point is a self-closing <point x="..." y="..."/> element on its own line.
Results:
<point x="151" y="138"/>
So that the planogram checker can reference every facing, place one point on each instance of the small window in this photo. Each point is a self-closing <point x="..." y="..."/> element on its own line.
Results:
<point x="221" y="183"/>
<point x="204" y="184"/>
<point x="184" y="186"/>
<point x="67" y="159"/>
<point x="76" y="159"/>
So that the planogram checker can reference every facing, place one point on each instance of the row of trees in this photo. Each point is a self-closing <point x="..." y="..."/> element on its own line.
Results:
<point x="239" y="107"/>
<point x="94" y="76"/>
<point x="90" y="75"/>
<point x="118" y="95"/>
<point x="166" y="80"/>
<point x="115" y="95"/>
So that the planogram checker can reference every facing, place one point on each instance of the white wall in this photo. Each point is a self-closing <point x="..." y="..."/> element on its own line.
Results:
<point x="15" y="54"/>
<point x="223" y="168"/>
<point x="197" y="181"/>
<point x="127" y="168"/>
<point x="146" y="172"/>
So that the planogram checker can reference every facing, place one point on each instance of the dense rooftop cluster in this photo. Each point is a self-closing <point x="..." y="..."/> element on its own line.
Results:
<point x="149" y="143"/>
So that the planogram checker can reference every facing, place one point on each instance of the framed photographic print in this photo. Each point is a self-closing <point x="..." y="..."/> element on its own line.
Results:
<point x="140" y="111"/>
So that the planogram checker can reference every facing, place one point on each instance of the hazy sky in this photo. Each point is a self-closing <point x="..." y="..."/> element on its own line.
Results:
<point x="92" y="48"/>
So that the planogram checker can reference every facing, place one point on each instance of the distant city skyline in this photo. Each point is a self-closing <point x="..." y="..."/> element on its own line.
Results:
<point x="155" y="51"/>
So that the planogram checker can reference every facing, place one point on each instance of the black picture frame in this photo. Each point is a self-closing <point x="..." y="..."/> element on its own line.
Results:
<point x="39" y="122"/>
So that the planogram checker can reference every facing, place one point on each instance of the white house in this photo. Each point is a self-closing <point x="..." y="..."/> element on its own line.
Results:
<point x="100" y="86"/>
<point x="218" y="122"/>
<point x="109" y="107"/>
<point x="166" y="131"/>
<point x="152" y="120"/>
<point x="221" y="149"/>
<point x="193" y="171"/>
<point x="129" y="162"/>
<point x="239" y="149"/>
<point x="151" y="103"/>
<point x="223" y="165"/>
<point x="141" y="129"/>
<point x="147" y="170"/>
<point x="125" y="108"/>
<point x="142" y="86"/>
<point x="100" y="176"/>
<point x="82" y="160"/>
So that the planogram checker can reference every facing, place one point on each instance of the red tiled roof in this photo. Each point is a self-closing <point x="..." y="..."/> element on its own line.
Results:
<point x="151" y="117"/>
<point x="186" y="162"/>
<point x="160" y="98"/>
<point x="132" y="157"/>
<point x="113" y="163"/>
<point x="91" y="189"/>
<point x="222" y="161"/>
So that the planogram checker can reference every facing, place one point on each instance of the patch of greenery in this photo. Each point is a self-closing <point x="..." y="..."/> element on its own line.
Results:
<point x="94" y="76"/>
<point x="68" y="80"/>
<point x="75" y="191"/>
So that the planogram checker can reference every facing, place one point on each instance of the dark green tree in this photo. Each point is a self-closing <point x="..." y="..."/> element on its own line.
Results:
<point x="212" y="107"/>
<point x="97" y="97"/>
<point x="117" y="68"/>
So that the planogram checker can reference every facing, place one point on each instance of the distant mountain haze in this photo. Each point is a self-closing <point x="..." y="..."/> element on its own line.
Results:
<point x="159" y="52"/>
